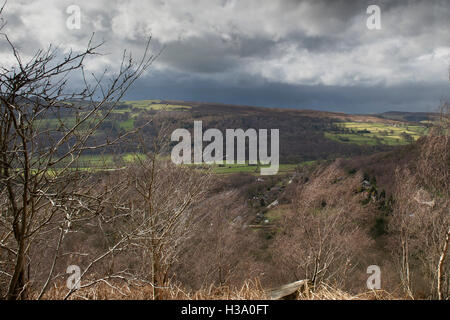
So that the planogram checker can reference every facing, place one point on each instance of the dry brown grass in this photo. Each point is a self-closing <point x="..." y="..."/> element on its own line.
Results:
<point x="327" y="292"/>
<point x="250" y="290"/>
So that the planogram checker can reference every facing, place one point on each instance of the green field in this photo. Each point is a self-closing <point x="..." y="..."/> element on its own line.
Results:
<point x="134" y="107"/>
<point x="236" y="168"/>
<point x="153" y="105"/>
<point x="247" y="168"/>
<point x="53" y="123"/>
<point x="106" y="160"/>
<point x="126" y="125"/>
<point x="69" y="122"/>
<point x="371" y="133"/>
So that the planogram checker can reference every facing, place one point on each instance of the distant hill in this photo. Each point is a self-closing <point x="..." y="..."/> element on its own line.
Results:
<point x="409" y="116"/>
<point x="305" y="135"/>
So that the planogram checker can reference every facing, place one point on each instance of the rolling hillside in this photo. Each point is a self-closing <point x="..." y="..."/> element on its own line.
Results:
<point x="305" y="135"/>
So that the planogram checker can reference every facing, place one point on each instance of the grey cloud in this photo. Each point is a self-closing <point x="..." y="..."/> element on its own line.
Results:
<point x="306" y="54"/>
<point x="252" y="91"/>
<point x="205" y="55"/>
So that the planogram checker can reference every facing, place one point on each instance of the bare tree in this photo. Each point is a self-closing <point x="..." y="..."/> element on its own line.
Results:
<point x="322" y="238"/>
<point x="41" y="188"/>
<point x="440" y="272"/>
<point x="420" y="220"/>
<point x="162" y="199"/>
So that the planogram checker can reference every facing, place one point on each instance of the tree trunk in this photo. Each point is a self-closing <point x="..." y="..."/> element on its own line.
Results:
<point x="441" y="264"/>
<point x="158" y="277"/>
<point x="17" y="289"/>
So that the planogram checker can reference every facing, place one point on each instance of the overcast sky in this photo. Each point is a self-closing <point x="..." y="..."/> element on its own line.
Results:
<point x="292" y="54"/>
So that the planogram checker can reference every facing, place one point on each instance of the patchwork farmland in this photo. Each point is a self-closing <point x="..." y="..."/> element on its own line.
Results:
<point x="370" y="133"/>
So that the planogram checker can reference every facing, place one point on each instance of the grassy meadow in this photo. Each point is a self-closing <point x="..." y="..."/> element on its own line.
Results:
<point x="371" y="133"/>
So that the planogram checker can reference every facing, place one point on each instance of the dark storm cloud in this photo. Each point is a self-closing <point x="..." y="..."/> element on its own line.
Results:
<point x="204" y="55"/>
<point x="253" y="91"/>
<point x="305" y="54"/>
<point x="211" y="54"/>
